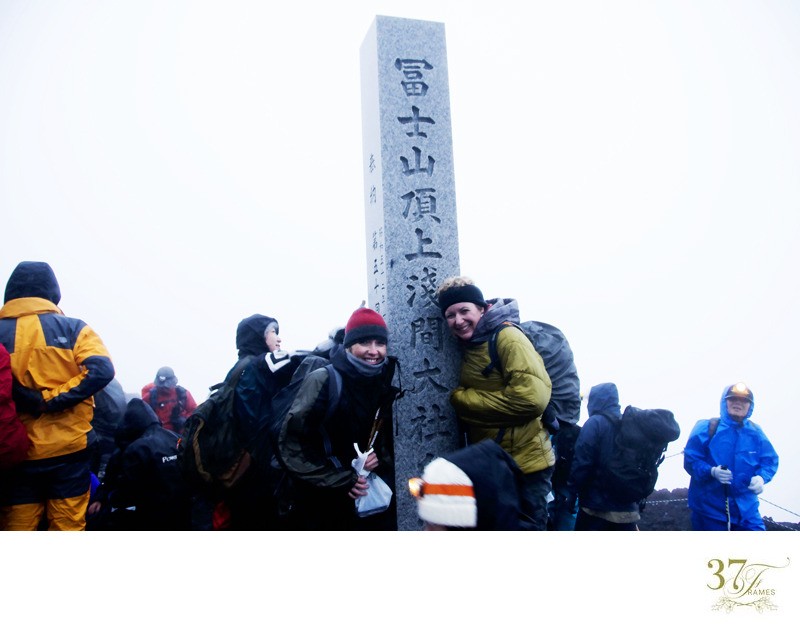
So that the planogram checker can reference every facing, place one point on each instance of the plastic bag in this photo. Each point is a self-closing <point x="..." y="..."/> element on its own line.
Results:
<point x="379" y="494"/>
<point x="378" y="498"/>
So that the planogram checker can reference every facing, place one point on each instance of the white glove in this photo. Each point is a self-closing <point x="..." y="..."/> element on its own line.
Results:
<point x="722" y="475"/>
<point x="756" y="485"/>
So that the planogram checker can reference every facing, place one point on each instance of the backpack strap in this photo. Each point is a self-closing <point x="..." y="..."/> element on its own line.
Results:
<point x="713" y="424"/>
<point x="334" y="396"/>
<point x="180" y="403"/>
<point x="494" y="362"/>
<point x="233" y="376"/>
<point x="181" y="394"/>
<point x="494" y="357"/>
<point x="334" y="390"/>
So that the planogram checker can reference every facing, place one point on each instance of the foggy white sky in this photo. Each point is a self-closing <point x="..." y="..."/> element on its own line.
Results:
<point x="629" y="171"/>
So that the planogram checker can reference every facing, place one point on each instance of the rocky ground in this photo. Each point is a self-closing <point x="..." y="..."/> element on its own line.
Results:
<point x="667" y="510"/>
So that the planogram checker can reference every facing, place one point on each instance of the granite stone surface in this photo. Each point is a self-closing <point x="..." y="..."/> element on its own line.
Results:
<point x="411" y="231"/>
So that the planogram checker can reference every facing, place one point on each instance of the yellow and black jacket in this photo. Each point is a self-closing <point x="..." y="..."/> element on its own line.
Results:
<point x="58" y="363"/>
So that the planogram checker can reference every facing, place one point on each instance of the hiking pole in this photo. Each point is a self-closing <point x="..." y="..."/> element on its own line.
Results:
<point x="376" y="426"/>
<point x="727" y="502"/>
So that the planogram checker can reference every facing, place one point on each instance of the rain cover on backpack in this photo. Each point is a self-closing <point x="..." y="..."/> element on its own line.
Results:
<point x="641" y="438"/>
<point x="559" y="362"/>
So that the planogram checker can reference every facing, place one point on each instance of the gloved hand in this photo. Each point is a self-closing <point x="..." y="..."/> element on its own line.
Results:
<point x="756" y="485"/>
<point x="28" y="400"/>
<point x="722" y="475"/>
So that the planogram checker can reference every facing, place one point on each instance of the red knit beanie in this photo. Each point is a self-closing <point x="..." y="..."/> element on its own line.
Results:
<point x="363" y="325"/>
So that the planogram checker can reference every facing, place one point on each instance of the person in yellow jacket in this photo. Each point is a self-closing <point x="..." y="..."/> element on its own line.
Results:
<point x="504" y="405"/>
<point x="58" y="363"/>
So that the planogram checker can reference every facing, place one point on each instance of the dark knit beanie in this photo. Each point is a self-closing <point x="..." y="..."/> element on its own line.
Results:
<point x="458" y="294"/>
<point x="363" y="325"/>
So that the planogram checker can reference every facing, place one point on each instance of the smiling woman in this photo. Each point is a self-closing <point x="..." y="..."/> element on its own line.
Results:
<point x="462" y="305"/>
<point x="321" y="434"/>
<point x="505" y="407"/>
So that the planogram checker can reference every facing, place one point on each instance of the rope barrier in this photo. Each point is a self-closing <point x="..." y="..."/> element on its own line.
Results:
<point x="657" y="502"/>
<point x="761" y="499"/>
<point x="779" y="507"/>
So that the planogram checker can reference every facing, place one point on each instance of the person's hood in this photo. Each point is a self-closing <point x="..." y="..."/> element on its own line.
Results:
<point x="723" y="410"/>
<point x="33" y="279"/>
<point x="495" y="481"/>
<point x="110" y="403"/>
<point x="604" y="400"/>
<point x="499" y="310"/>
<point x="250" y="335"/>
<point x="138" y="418"/>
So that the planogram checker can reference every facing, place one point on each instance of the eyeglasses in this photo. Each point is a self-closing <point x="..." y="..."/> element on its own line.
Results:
<point x="420" y="488"/>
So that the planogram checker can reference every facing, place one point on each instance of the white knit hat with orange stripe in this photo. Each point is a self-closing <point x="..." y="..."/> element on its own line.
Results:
<point x="448" y="497"/>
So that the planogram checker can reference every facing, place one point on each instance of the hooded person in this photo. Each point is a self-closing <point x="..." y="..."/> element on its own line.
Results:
<point x="259" y="344"/>
<point x="261" y="371"/>
<point x="250" y="334"/>
<point x="477" y="487"/>
<point x="254" y="502"/>
<point x="506" y="406"/>
<point x="143" y="475"/>
<point x="172" y="403"/>
<point x="598" y="510"/>
<point x="729" y="459"/>
<point x="109" y="409"/>
<point x="317" y="437"/>
<point x="58" y="363"/>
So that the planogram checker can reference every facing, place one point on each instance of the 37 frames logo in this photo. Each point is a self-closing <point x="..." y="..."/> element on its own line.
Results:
<point x="744" y="583"/>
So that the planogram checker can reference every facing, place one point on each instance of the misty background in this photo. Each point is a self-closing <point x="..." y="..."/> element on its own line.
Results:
<point x="629" y="171"/>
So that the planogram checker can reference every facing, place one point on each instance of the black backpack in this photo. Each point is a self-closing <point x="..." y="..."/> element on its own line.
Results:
<point x="211" y="450"/>
<point x="283" y="400"/>
<point x="559" y="362"/>
<point x="640" y="440"/>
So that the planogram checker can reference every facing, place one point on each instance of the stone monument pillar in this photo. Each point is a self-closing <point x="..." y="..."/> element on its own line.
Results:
<point x="411" y="231"/>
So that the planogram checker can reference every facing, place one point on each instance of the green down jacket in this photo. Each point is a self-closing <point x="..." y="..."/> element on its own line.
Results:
<point x="513" y="400"/>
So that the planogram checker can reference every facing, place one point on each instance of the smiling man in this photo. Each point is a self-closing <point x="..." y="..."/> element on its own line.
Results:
<point x="730" y="460"/>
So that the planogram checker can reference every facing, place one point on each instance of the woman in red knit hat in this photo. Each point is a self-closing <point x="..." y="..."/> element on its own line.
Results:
<point x="317" y="444"/>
